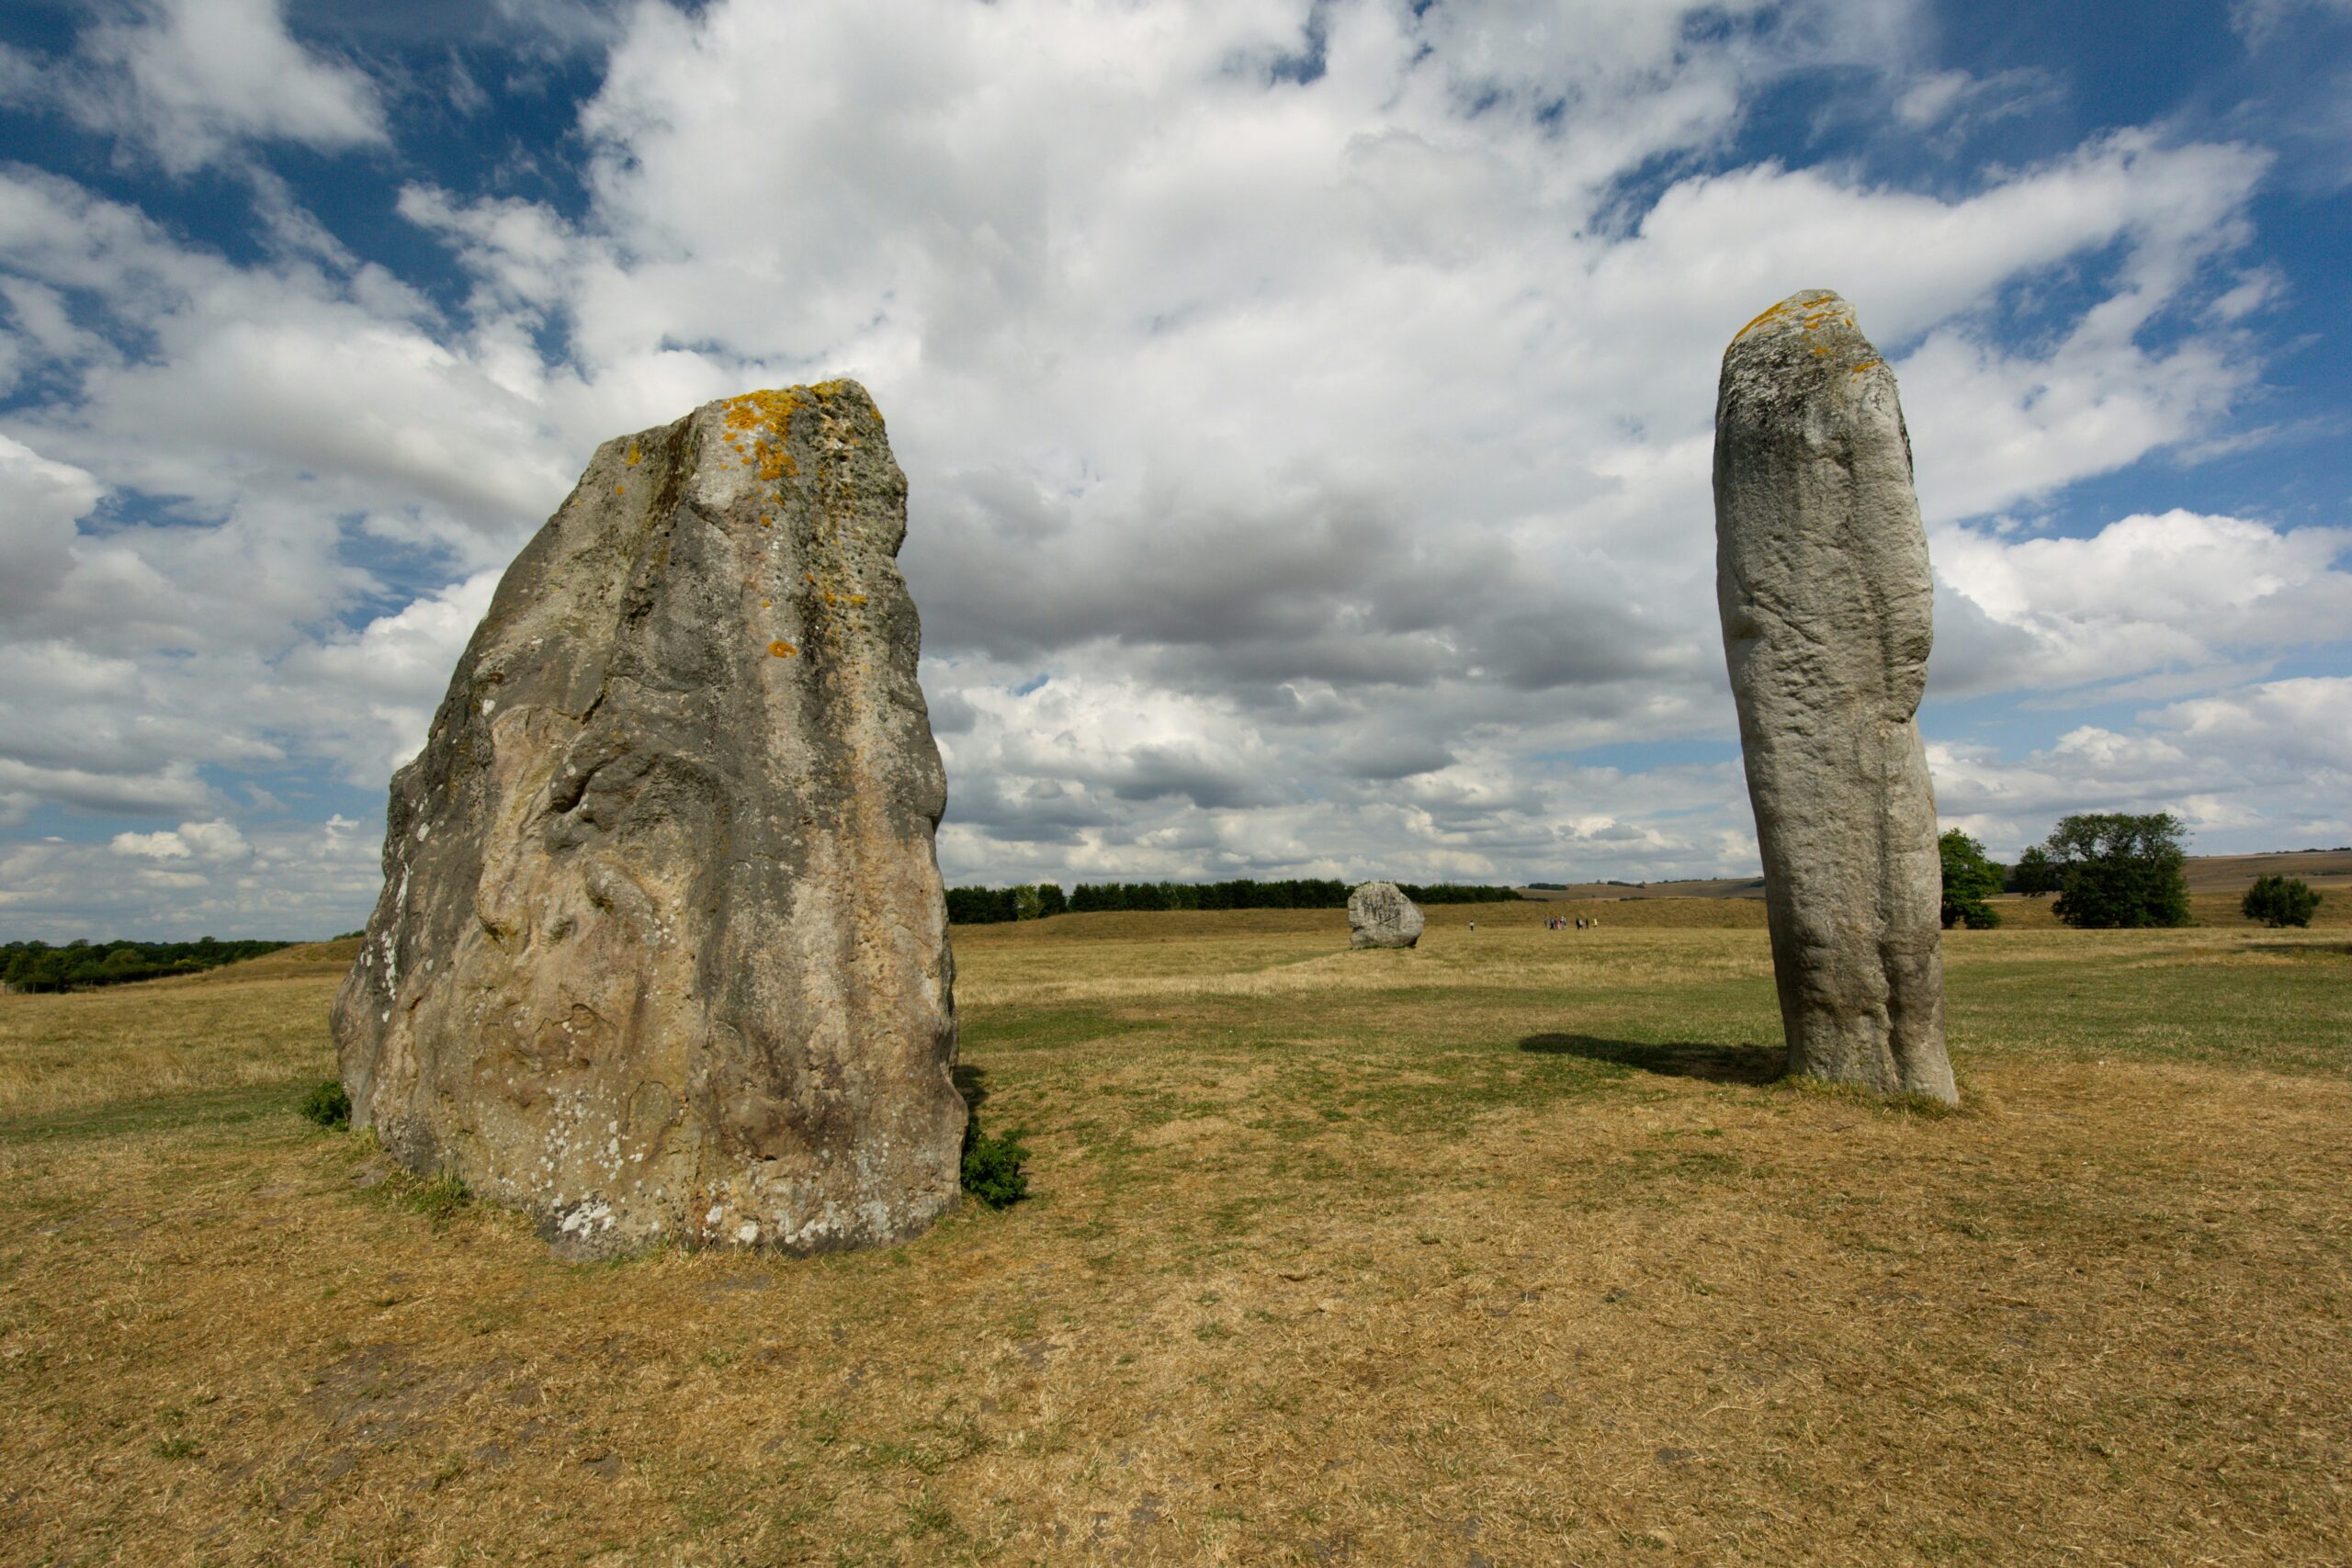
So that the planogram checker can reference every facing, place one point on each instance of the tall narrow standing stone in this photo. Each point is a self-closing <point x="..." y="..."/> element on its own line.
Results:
<point x="1822" y="579"/>
<point x="663" y="949"/>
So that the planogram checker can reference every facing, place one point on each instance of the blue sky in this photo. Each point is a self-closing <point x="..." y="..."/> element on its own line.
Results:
<point x="1305" y="406"/>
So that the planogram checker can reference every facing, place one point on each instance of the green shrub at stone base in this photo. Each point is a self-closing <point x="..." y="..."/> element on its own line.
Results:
<point x="992" y="1166"/>
<point x="328" y="1105"/>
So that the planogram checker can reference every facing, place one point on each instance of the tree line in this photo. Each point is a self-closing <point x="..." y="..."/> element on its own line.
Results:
<point x="1031" y="901"/>
<point x="2109" y="869"/>
<point x="37" y="966"/>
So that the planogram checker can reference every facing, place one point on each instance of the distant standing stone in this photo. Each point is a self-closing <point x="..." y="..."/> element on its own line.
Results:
<point x="1379" y="915"/>
<point x="1822" y="580"/>
<point x="662" y="949"/>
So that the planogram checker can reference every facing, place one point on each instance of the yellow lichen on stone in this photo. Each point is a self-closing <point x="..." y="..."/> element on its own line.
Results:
<point x="782" y="650"/>
<point x="635" y="456"/>
<point x="1811" y="316"/>
<point x="764" y="418"/>
<point x="1761" y="317"/>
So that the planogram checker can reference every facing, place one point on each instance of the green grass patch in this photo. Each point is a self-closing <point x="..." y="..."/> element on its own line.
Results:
<point x="159" y="1114"/>
<point x="1043" y="1029"/>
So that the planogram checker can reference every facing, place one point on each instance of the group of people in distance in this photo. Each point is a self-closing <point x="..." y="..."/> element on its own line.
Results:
<point x="1560" y="922"/>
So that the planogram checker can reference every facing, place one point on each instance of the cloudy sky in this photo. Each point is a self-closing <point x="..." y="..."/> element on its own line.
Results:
<point x="1307" y="406"/>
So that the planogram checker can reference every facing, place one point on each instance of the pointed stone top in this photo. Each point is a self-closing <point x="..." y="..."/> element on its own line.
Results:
<point x="1795" y="346"/>
<point x="1806" y="310"/>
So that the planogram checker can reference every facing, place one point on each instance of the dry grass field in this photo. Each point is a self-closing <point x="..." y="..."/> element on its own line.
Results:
<point x="1506" y="1250"/>
<point x="2328" y="870"/>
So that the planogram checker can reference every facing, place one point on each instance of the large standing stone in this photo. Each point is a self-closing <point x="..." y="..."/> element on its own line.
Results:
<point x="662" y="949"/>
<point x="1821" y="576"/>
<point x="1379" y="915"/>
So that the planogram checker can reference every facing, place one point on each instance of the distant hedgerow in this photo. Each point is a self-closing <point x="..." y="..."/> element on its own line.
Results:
<point x="992" y="1171"/>
<point x="329" y="1105"/>
<point x="37" y="966"/>
<point x="983" y="906"/>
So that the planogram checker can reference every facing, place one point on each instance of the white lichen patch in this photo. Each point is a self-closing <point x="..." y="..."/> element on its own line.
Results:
<point x="587" y="1216"/>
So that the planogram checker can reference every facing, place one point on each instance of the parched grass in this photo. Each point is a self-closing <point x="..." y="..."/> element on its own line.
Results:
<point x="253" y="1024"/>
<point x="1511" y="1249"/>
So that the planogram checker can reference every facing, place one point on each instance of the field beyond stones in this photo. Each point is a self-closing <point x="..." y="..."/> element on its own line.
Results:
<point x="1504" y="1250"/>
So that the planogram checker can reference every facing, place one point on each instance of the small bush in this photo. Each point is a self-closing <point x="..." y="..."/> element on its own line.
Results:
<point x="992" y="1170"/>
<point x="329" y="1106"/>
<point x="2280" y="902"/>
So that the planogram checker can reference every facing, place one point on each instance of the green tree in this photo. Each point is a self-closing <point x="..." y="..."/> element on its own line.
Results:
<point x="2034" y="874"/>
<point x="1969" y="879"/>
<point x="2280" y="902"/>
<point x="1035" y="900"/>
<point x="2115" y="869"/>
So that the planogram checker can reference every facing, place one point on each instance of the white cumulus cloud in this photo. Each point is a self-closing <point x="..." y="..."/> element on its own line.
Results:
<point x="2177" y="590"/>
<point x="187" y="80"/>
<point x="212" y="842"/>
<point x="1307" y="409"/>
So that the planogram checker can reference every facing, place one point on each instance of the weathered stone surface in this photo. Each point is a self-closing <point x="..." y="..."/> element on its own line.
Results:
<point x="662" y="948"/>
<point x="1821" y="577"/>
<point x="1379" y="915"/>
